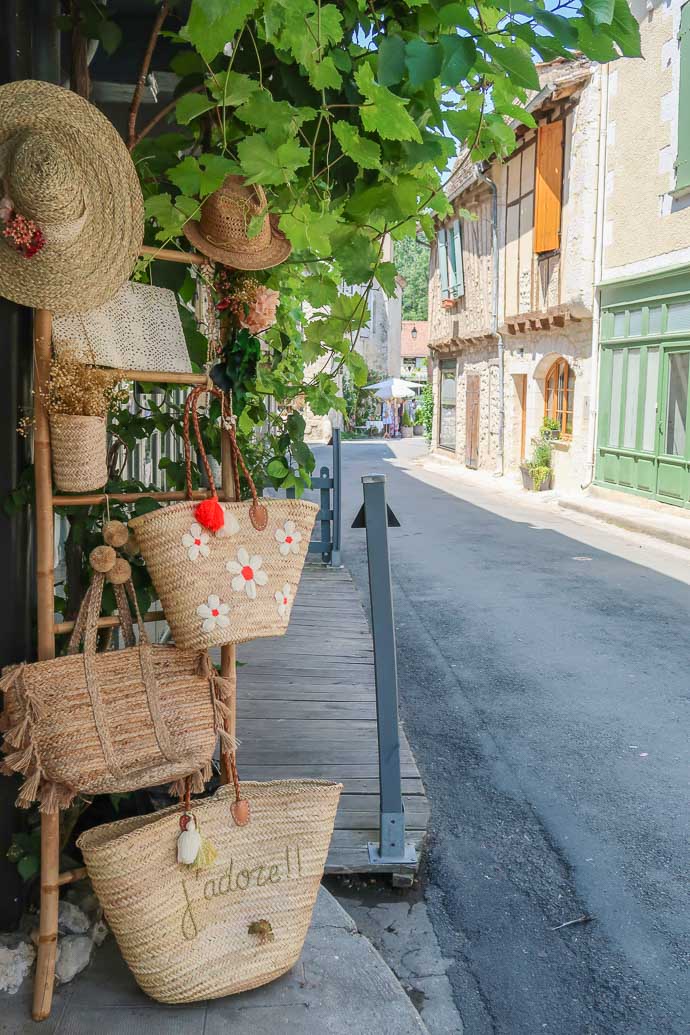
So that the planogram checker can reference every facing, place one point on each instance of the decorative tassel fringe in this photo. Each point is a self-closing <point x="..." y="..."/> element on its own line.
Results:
<point x="177" y="789"/>
<point x="55" y="796"/>
<point x="198" y="786"/>
<point x="222" y="709"/>
<point x="207" y="772"/>
<point x="20" y="761"/>
<point x="16" y="735"/>
<point x="29" y="790"/>
<point x="227" y="741"/>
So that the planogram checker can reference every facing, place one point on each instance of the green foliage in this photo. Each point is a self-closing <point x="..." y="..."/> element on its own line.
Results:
<point x="360" y="405"/>
<point x="347" y="114"/>
<point x="406" y="420"/>
<point x="425" y="411"/>
<point x="412" y="262"/>
<point x="551" y="428"/>
<point x="539" y="465"/>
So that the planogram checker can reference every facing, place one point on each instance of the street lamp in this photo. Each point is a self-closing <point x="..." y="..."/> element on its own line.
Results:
<point x="413" y="333"/>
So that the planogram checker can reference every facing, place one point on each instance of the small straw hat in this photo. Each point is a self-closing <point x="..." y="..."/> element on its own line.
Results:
<point x="64" y="166"/>
<point x="222" y="231"/>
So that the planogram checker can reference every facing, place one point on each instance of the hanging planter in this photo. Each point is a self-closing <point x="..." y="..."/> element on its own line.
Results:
<point x="79" y="448"/>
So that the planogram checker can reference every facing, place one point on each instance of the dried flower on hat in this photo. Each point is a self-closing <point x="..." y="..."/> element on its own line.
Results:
<point x="23" y="234"/>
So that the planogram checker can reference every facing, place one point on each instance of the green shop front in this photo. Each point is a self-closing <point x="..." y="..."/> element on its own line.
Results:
<point x="643" y="445"/>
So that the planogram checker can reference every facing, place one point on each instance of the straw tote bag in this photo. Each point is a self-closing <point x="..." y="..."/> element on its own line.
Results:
<point x="230" y="583"/>
<point x="117" y="721"/>
<point x="200" y="934"/>
<point x="138" y="329"/>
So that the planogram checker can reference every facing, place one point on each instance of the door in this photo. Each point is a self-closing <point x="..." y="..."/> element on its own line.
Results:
<point x="447" y="410"/>
<point x="674" y="452"/>
<point x="472" y="421"/>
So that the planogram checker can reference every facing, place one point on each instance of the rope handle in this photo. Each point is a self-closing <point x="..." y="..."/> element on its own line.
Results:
<point x="86" y="623"/>
<point x="258" y="514"/>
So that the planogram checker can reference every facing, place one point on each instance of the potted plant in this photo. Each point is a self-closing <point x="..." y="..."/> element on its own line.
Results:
<point x="406" y="425"/>
<point x="418" y="429"/>
<point x="78" y="399"/>
<point x="537" y="471"/>
<point x="551" y="428"/>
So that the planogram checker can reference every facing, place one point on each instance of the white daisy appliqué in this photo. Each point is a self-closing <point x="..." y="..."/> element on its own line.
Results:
<point x="214" y="613"/>
<point x="195" y="542"/>
<point x="289" y="538"/>
<point x="230" y="527"/>
<point x="247" y="573"/>
<point x="284" y="600"/>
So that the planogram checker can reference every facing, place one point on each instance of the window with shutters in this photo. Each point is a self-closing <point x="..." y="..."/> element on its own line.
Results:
<point x="449" y="241"/>
<point x="559" y="392"/>
<point x="683" y="154"/>
<point x="548" y="188"/>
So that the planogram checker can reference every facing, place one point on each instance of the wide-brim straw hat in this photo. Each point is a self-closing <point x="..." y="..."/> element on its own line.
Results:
<point x="222" y="232"/>
<point x="64" y="166"/>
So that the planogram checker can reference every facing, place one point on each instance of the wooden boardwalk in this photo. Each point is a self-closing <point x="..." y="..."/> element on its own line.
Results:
<point x="306" y="706"/>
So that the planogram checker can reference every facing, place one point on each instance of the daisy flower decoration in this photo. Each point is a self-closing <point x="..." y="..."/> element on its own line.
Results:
<point x="247" y="573"/>
<point x="214" y="614"/>
<point x="195" y="542"/>
<point x="283" y="599"/>
<point x="289" y="538"/>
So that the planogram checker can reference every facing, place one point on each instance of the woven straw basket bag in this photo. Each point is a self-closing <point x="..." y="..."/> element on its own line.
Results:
<point x="116" y="721"/>
<point x="240" y="923"/>
<point x="235" y="583"/>
<point x="80" y="452"/>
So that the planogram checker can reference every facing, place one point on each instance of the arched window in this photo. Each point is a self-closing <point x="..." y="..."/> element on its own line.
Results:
<point x="559" y="391"/>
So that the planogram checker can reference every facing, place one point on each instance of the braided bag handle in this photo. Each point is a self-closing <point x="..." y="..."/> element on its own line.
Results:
<point x="258" y="514"/>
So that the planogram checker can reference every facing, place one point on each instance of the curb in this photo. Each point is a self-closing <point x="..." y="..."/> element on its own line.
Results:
<point x="630" y="522"/>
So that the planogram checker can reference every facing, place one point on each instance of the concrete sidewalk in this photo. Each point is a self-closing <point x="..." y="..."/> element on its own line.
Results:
<point x="341" y="986"/>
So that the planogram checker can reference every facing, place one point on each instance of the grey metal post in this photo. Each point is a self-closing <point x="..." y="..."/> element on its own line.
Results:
<point x="392" y="846"/>
<point x="325" y="514"/>
<point x="337" y="499"/>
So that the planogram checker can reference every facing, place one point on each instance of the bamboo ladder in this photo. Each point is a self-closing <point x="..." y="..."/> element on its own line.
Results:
<point x="45" y="502"/>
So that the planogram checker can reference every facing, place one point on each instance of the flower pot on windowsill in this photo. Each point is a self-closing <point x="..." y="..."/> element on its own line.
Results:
<point x="448" y="303"/>
<point x="80" y="450"/>
<point x="533" y="481"/>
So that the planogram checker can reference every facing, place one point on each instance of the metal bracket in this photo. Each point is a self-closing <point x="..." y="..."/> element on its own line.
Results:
<point x="392" y="847"/>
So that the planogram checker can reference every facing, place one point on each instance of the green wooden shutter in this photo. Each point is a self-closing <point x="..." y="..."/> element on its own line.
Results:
<point x="443" y="261"/>
<point x="456" y="261"/>
<point x="683" y="155"/>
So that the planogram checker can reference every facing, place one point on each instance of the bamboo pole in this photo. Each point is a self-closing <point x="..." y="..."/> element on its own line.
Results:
<point x="160" y="377"/>
<point x="110" y="622"/>
<point x="228" y="653"/>
<point x="50" y="824"/>
<point x="169" y="255"/>
<point x="92" y="499"/>
<point x="72" y="876"/>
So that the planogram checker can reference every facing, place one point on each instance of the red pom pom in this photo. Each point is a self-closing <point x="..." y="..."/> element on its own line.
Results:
<point x="210" y="514"/>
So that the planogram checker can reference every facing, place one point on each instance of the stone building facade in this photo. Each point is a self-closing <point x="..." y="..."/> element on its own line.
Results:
<point x="511" y="340"/>
<point x="643" y="275"/>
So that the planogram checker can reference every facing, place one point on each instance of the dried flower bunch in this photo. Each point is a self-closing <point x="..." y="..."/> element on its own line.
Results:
<point x="81" y="389"/>
<point x="251" y="304"/>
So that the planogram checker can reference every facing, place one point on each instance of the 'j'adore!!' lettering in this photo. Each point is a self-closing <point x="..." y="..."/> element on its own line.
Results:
<point x="232" y="879"/>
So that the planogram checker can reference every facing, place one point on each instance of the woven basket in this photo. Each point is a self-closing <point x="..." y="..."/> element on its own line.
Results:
<point x="238" y="583"/>
<point x="111" y="722"/>
<point x="234" y="926"/>
<point x="80" y="451"/>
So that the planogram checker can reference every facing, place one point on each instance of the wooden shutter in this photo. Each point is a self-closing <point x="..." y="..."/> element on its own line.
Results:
<point x="458" y="285"/>
<point x="683" y="155"/>
<point x="549" y="181"/>
<point x="443" y="261"/>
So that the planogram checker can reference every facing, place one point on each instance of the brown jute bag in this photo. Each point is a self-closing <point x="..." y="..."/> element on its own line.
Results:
<point x="230" y="583"/>
<point x="190" y="934"/>
<point x="116" y="721"/>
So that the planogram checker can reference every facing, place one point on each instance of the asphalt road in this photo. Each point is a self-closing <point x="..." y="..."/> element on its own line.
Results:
<point x="544" y="669"/>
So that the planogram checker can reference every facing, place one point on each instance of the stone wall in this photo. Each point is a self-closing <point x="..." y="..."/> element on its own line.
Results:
<point x="479" y="360"/>
<point x="645" y="227"/>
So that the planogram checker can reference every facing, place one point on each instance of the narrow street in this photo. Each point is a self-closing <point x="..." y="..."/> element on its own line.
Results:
<point x="543" y="666"/>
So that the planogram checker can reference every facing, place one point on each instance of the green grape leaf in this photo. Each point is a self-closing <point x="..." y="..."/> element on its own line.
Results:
<point x="366" y="153"/>
<point x="390" y="62"/>
<point x="423" y="61"/>
<point x="213" y="23"/>
<point x="384" y="113"/>
<point x="190" y="106"/>
<point x="459" y="56"/>
<point x="262" y="162"/>
<point x="231" y="88"/>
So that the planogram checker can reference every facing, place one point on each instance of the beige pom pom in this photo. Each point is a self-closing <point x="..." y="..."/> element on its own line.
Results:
<point x="120" y="572"/>
<point x="115" y="533"/>
<point x="102" y="558"/>
<point x="131" y="547"/>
